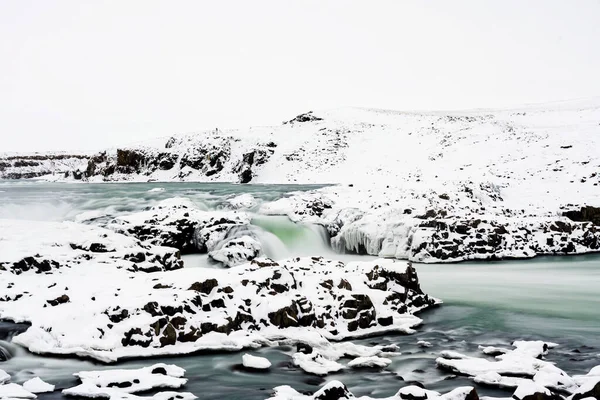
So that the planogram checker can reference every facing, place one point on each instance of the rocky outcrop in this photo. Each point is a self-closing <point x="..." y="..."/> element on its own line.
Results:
<point x="59" y="246"/>
<point x="585" y="214"/>
<point x="179" y="223"/>
<point x="237" y="251"/>
<point x="306" y="117"/>
<point x="299" y="299"/>
<point x="249" y="160"/>
<point x="36" y="165"/>
<point x="212" y="156"/>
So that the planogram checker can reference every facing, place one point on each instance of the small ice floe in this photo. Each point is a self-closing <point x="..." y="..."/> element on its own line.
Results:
<point x="109" y="383"/>
<point x="253" y="362"/>
<point x="156" y="190"/>
<point x="37" y="385"/>
<point x="424" y="344"/>
<point x="315" y="363"/>
<point x="370" y="362"/>
<point x="4" y="377"/>
<point x="14" y="391"/>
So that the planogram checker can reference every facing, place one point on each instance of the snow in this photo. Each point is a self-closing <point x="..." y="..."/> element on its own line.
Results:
<point x="36" y="385"/>
<point x="14" y="391"/>
<point x="243" y="201"/>
<point x="416" y="392"/>
<point x="373" y="361"/>
<point x="237" y="251"/>
<point x="315" y="363"/>
<point x="47" y="246"/>
<point x="512" y="368"/>
<point x="109" y="383"/>
<point x="254" y="362"/>
<point x="529" y="388"/>
<point x="337" y="390"/>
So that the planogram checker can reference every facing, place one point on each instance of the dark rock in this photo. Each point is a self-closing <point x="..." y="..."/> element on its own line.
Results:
<point x="204" y="287"/>
<point x="334" y="393"/>
<point x="594" y="392"/>
<point x="285" y="317"/>
<point x="304" y="348"/>
<point x="585" y="214"/>
<point x="116" y="316"/>
<point x="159" y="371"/>
<point x="59" y="300"/>
<point x="306" y="117"/>
<point x="121" y="385"/>
<point x="169" y="336"/>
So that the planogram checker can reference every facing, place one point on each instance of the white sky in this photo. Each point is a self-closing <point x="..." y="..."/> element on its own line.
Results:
<point x="90" y="74"/>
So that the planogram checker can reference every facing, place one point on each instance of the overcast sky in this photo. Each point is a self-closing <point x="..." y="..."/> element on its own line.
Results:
<point x="89" y="74"/>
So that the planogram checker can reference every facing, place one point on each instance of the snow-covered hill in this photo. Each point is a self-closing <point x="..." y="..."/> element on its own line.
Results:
<point x="555" y="144"/>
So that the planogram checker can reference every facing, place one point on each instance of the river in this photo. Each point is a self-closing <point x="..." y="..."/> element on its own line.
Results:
<point x="485" y="303"/>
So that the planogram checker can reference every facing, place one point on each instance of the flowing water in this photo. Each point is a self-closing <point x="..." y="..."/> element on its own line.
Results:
<point x="485" y="303"/>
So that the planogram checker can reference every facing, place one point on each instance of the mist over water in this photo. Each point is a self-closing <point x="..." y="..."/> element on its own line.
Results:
<point x="485" y="303"/>
<point x="43" y="201"/>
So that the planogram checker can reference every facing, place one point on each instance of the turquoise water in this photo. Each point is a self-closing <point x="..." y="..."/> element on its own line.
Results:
<point x="485" y="303"/>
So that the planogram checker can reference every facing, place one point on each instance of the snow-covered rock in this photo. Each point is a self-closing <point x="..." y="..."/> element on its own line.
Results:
<point x="107" y="383"/>
<point x="512" y="368"/>
<point x="307" y="300"/>
<point x="242" y="202"/>
<point x="253" y="362"/>
<point x="370" y="362"/>
<point x="44" y="247"/>
<point x="589" y="385"/>
<point x="315" y="363"/>
<point x="37" y="385"/>
<point x="14" y="391"/>
<point x="531" y="390"/>
<point x="26" y="166"/>
<point x="419" y="225"/>
<point x="237" y="251"/>
<point x="336" y="390"/>
<point x="227" y="236"/>
<point x="173" y="222"/>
